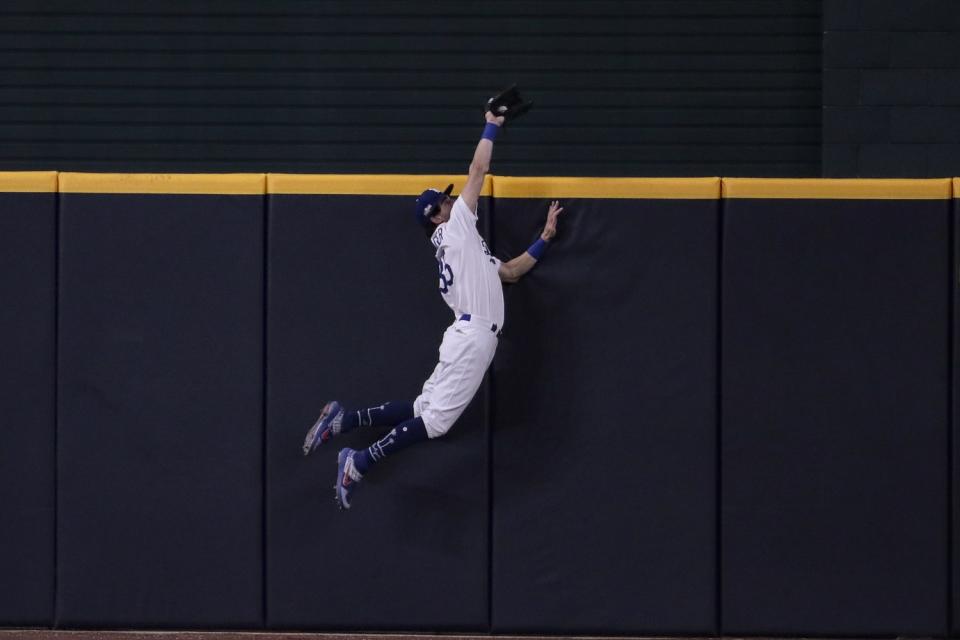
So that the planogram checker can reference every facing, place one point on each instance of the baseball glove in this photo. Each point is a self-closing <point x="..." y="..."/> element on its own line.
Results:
<point x="508" y="104"/>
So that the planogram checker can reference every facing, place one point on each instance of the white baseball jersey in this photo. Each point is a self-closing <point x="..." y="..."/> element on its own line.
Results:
<point x="469" y="280"/>
<point x="469" y="284"/>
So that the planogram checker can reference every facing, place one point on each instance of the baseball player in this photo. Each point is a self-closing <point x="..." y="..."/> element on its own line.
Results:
<point x="470" y="283"/>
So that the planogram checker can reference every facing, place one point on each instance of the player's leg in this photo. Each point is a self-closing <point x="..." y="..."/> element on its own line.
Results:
<point x="400" y="437"/>
<point x="472" y="352"/>
<point x="334" y="420"/>
<point x="410" y="431"/>
<point x="389" y="414"/>
<point x="456" y="380"/>
<point x="353" y="465"/>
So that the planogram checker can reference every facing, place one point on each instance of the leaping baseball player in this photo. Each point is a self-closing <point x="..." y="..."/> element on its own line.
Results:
<point x="470" y="283"/>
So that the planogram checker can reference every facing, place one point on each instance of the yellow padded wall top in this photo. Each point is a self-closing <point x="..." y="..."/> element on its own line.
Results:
<point x="164" y="183"/>
<point x="837" y="189"/>
<point x="619" y="188"/>
<point x="502" y="186"/>
<point x="372" y="185"/>
<point x="28" y="181"/>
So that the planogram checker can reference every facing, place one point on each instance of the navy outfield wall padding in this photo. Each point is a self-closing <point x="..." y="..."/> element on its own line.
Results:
<point x="604" y="424"/>
<point x="955" y="396"/>
<point x="355" y="315"/>
<point x="834" y="420"/>
<point x="160" y="402"/>
<point x="836" y="428"/>
<point x="28" y="203"/>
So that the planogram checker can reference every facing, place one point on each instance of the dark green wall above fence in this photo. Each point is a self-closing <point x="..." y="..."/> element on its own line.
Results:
<point x="653" y="87"/>
<point x="891" y="88"/>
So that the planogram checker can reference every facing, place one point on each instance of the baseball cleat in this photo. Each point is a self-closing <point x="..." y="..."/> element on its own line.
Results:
<point x="327" y="426"/>
<point x="347" y="477"/>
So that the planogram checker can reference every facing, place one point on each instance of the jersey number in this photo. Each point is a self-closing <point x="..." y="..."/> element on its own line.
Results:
<point x="446" y="276"/>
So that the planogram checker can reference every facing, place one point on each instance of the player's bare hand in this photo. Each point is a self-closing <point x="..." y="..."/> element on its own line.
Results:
<point x="497" y="120"/>
<point x="550" y="229"/>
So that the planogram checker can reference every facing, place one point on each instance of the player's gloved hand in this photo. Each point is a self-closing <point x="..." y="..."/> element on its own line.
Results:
<point x="508" y="104"/>
<point x="497" y="120"/>
<point x="550" y="228"/>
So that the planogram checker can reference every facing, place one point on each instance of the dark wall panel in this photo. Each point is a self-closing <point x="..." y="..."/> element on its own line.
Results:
<point x="355" y="315"/>
<point x="604" y="429"/>
<point x="834" y="419"/>
<point x="160" y="406"/>
<point x="27" y="289"/>
<point x="577" y="495"/>
<point x="955" y="454"/>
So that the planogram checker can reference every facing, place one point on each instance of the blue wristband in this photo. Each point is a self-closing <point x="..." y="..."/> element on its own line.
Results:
<point x="537" y="248"/>
<point x="490" y="132"/>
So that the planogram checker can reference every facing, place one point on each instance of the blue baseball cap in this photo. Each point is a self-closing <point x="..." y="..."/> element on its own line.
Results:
<point x="427" y="204"/>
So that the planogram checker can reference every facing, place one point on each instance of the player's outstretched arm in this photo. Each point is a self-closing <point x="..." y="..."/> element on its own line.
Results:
<point x="480" y="165"/>
<point x="515" y="269"/>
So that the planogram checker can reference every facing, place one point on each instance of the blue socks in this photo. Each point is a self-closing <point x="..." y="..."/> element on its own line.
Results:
<point x="403" y="435"/>
<point x="408" y="430"/>
<point x="386" y="415"/>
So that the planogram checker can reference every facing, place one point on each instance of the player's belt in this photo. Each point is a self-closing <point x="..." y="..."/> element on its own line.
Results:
<point x="466" y="318"/>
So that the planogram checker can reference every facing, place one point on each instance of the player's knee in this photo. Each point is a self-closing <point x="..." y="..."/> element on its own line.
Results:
<point x="435" y="428"/>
